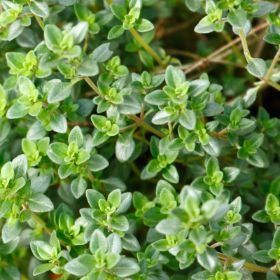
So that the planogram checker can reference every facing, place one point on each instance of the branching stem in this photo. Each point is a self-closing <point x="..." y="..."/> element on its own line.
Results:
<point x="146" y="126"/>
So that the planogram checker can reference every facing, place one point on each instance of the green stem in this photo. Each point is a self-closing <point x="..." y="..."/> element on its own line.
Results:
<point x="244" y="43"/>
<point x="91" y="84"/>
<point x="273" y="84"/>
<point x="133" y="125"/>
<point x="38" y="221"/>
<point x="40" y="22"/>
<point x="90" y="176"/>
<point x="233" y="47"/>
<point x="142" y="42"/>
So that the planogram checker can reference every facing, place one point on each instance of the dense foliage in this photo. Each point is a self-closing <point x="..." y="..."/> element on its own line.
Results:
<point x="136" y="142"/>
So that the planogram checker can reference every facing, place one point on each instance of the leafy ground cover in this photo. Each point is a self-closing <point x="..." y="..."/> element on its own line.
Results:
<point x="139" y="139"/>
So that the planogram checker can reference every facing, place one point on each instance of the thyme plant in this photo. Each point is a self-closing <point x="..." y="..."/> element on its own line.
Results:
<point x="135" y="141"/>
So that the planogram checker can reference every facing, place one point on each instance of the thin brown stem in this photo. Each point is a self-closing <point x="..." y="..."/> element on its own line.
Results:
<point x="190" y="68"/>
<point x="165" y="32"/>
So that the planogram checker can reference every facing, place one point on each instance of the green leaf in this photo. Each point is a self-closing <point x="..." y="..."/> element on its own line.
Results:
<point x="161" y="117"/>
<point x="79" y="32"/>
<point x="40" y="9"/>
<point x="126" y="267"/>
<point x="78" y="187"/>
<point x="20" y="165"/>
<point x="97" y="163"/>
<point x="115" y="32"/>
<point x="234" y="275"/>
<point x="161" y="245"/>
<point x="120" y="223"/>
<point x="144" y="25"/>
<point x="156" y="97"/>
<point x="76" y="136"/>
<point x="58" y="91"/>
<point x="130" y="105"/>
<point x="112" y="259"/>
<point x="209" y="208"/>
<point x="230" y="174"/>
<point x="80" y="266"/>
<point x="170" y="173"/>
<point x="53" y="37"/>
<point x="204" y="26"/>
<point x="212" y="166"/>
<point x="28" y="146"/>
<point x="257" y="67"/>
<point x="114" y="243"/>
<point x="98" y="241"/>
<point x="271" y="203"/>
<point x="10" y="231"/>
<point x="58" y="123"/>
<point x="276" y="239"/>
<point x="197" y="87"/>
<point x="169" y="226"/>
<point x="272" y="38"/>
<point x="237" y="18"/>
<point x="174" y="77"/>
<point x="98" y="121"/>
<point x="15" y="60"/>
<point x="57" y="152"/>
<point x="130" y="243"/>
<point x="262" y="256"/>
<point x="261" y="216"/>
<point x="93" y="197"/>
<point x="125" y="203"/>
<point x="193" y="5"/>
<point x="125" y="146"/>
<point x="42" y="268"/>
<point x="208" y="259"/>
<point x="188" y="119"/>
<point x="259" y="159"/>
<point x="102" y="53"/>
<point x="17" y="111"/>
<point x="66" y="170"/>
<point x="114" y="198"/>
<point x="88" y="68"/>
<point x="7" y="171"/>
<point x="40" y="203"/>
<point x="119" y="11"/>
